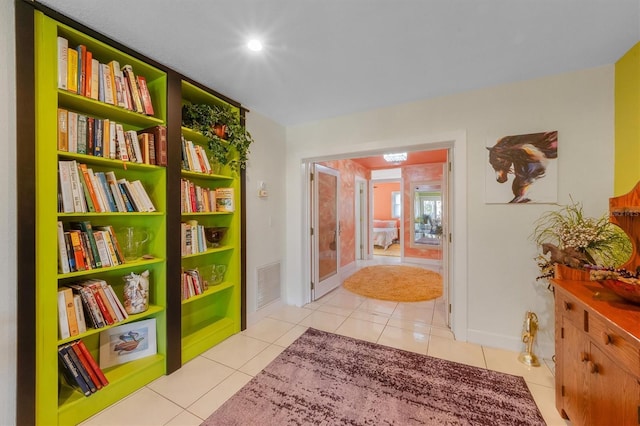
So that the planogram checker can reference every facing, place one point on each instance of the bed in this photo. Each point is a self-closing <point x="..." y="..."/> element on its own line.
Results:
<point x="384" y="232"/>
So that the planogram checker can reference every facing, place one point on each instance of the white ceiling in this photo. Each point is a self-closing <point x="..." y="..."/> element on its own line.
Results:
<point x="328" y="58"/>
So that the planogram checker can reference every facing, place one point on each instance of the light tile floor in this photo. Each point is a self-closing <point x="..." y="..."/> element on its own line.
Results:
<point x="191" y="394"/>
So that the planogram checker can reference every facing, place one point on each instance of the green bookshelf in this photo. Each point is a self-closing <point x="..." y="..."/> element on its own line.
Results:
<point x="56" y="402"/>
<point x="211" y="317"/>
<point x="184" y="328"/>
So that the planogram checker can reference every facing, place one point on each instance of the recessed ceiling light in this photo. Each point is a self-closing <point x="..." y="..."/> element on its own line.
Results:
<point x="254" y="45"/>
<point x="395" y="158"/>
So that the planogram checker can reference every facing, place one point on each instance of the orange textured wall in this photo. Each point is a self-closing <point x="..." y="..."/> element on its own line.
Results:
<point x="421" y="173"/>
<point x="382" y="199"/>
<point x="349" y="170"/>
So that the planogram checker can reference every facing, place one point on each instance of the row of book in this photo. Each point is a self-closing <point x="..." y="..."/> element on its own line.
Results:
<point x="192" y="238"/>
<point x="79" y="72"/>
<point x="82" y="134"/>
<point x="194" y="158"/>
<point x="82" y="247"/>
<point x="193" y="283"/>
<point x="82" y="190"/>
<point x="88" y="304"/>
<point x="196" y="199"/>
<point x="80" y="369"/>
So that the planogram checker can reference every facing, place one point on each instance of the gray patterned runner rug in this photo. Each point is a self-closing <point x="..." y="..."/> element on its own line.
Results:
<point x="327" y="379"/>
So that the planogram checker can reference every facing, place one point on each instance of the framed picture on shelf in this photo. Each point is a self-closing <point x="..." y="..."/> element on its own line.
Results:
<point x="127" y="342"/>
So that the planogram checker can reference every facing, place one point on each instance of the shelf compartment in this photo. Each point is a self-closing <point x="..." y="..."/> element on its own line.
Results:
<point x="209" y="292"/>
<point x="123" y="380"/>
<point x="108" y="162"/>
<point x="128" y="265"/>
<point x="209" y="251"/>
<point x="153" y="309"/>
<point x="94" y="108"/>
<point x="200" y="175"/>
<point x="206" y="336"/>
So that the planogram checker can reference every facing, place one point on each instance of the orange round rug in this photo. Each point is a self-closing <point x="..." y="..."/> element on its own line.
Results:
<point x="396" y="283"/>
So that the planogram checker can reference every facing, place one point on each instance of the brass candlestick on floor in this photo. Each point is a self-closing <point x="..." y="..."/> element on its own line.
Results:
<point x="529" y="332"/>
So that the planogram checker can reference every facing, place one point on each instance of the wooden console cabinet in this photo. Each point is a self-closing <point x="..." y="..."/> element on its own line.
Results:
<point x="597" y="336"/>
<point x="597" y="355"/>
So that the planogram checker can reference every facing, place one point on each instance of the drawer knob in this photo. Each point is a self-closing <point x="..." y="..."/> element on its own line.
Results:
<point x="593" y="367"/>
<point x="606" y="338"/>
<point x="567" y="306"/>
<point x="584" y="357"/>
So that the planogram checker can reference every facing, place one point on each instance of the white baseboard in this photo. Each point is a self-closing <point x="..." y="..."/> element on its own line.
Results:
<point x="422" y="261"/>
<point x="347" y="270"/>
<point x="255" y="317"/>
<point x="541" y="349"/>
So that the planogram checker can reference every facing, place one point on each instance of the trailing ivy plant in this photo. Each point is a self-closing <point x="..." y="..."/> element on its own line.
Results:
<point x="232" y="148"/>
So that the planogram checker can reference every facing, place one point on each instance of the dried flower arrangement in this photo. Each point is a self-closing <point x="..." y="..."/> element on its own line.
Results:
<point x="575" y="240"/>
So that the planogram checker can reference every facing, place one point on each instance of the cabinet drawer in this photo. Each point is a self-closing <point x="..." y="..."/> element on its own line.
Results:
<point x="619" y="347"/>
<point x="570" y="308"/>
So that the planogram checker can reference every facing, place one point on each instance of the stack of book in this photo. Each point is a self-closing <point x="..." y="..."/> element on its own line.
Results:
<point x="80" y="369"/>
<point x="192" y="283"/>
<point x="82" y="134"/>
<point x="194" y="158"/>
<point x="192" y="238"/>
<point x="196" y="199"/>
<point x="83" y="247"/>
<point x="87" y="304"/>
<point x="80" y="190"/>
<point x="80" y="73"/>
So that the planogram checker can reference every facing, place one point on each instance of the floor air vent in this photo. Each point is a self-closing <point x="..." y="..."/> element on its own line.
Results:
<point x="268" y="284"/>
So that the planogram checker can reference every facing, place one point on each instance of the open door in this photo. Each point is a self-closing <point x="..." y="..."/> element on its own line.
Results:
<point x="325" y="247"/>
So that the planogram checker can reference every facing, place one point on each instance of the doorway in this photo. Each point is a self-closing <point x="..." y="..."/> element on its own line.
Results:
<point x="351" y="213"/>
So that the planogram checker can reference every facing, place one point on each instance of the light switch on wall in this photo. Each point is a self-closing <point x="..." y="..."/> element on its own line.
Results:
<point x="262" y="189"/>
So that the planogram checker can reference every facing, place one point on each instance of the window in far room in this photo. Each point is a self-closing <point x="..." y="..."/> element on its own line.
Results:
<point x="396" y="205"/>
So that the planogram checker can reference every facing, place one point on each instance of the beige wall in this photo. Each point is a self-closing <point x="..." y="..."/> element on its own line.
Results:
<point x="495" y="285"/>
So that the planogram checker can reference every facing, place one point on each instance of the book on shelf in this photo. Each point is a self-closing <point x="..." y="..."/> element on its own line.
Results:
<point x="63" y="46"/>
<point x="63" y="257"/>
<point x="107" y="82"/>
<point x="103" y="303"/>
<point x="145" y="95"/>
<point x="225" y="200"/>
<point x="63" y="130"/>
<point x="72" y="143"/>
<point x="69" y="307"/>
<point x="78" y="254"/>
<point x="85" y="365"/>
<point x="132" y="139"/>
<point x="72" y="70"/>
<point x="88" y="80"/>
<point x="92" y="362"/>
<point x="130" y="78"/>
<point x="64" y="171"/>
<point x="85" y="227"/>
<point x="121" y="147"/>
<point x="93" y="315"/>
<point x="63" y="322"/>
<point x="91" y="197"/>
<point x="112" y="241"/>
<point x="98" y="137"/>
<point x="82" y="68"/>
<point x="118" y="89"/>
<point x="95" y="79"/>
<point x="81" y="144"/>
<point x="77" y="304"/>
<point x="70" y="371"/>
<point x="159" y="143"/>
<point x="90" y="135"/>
